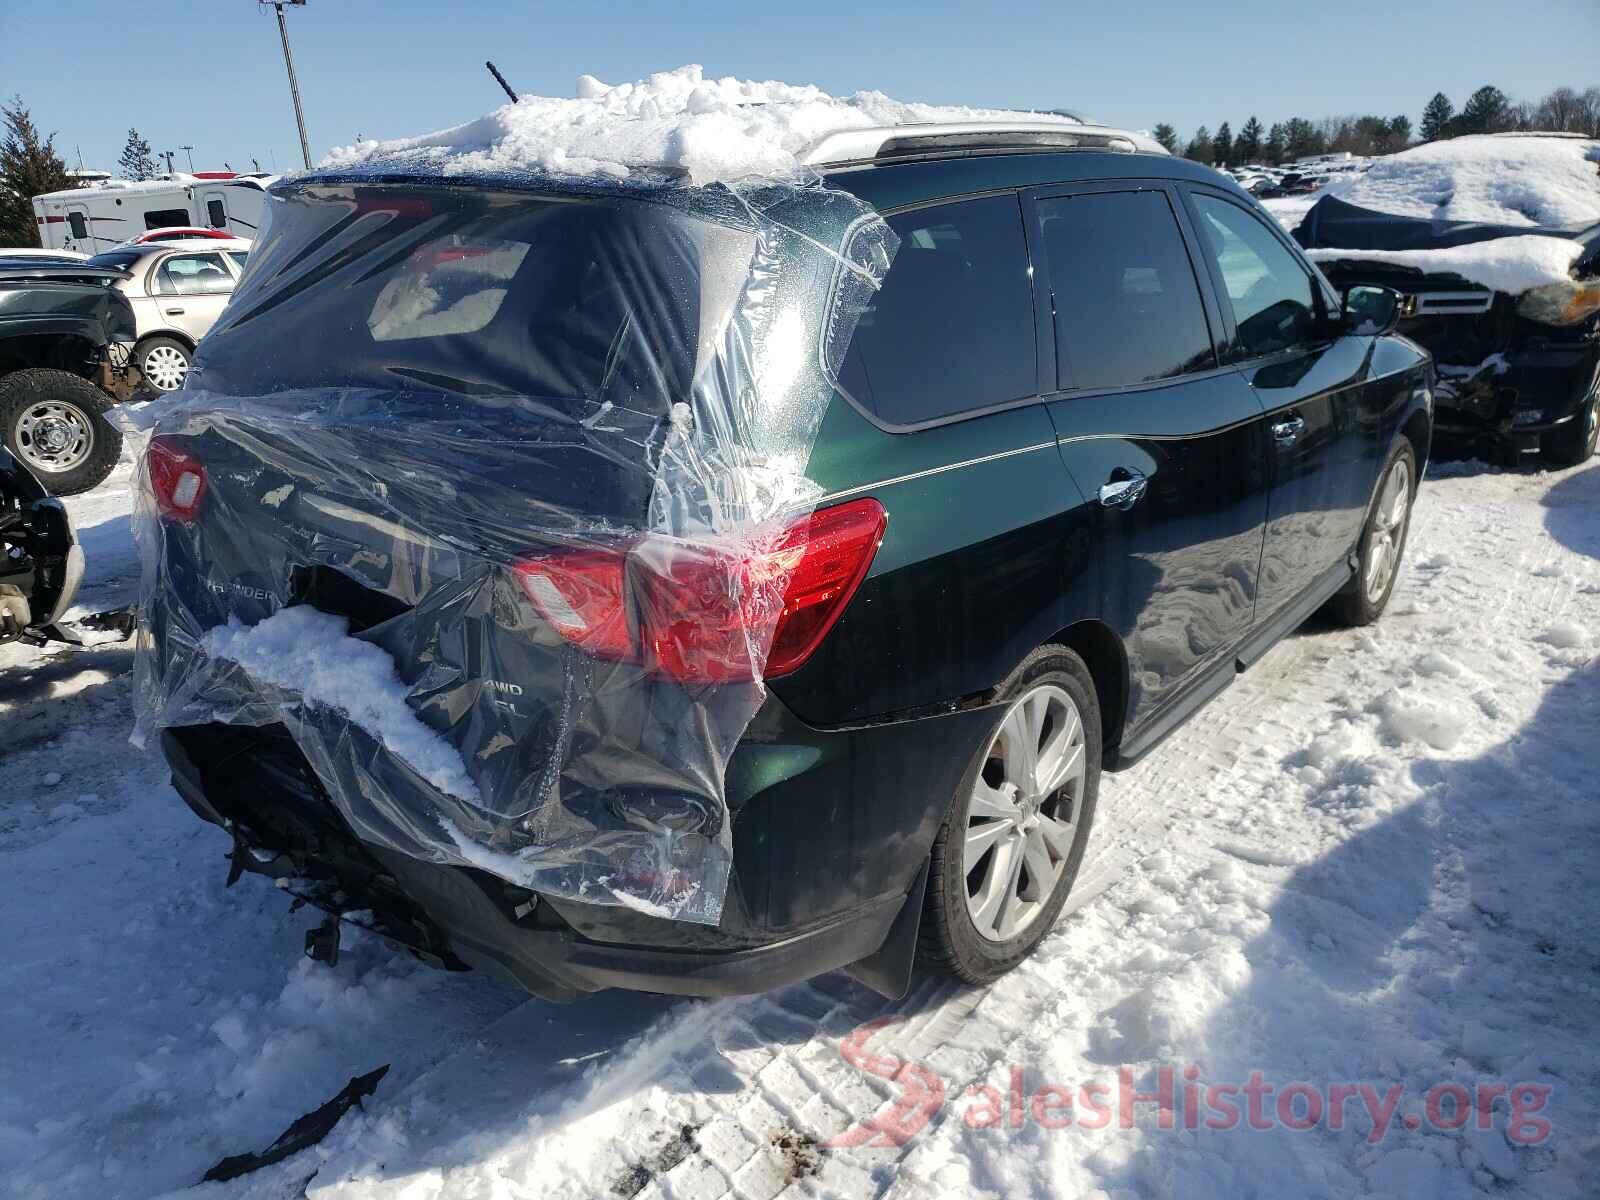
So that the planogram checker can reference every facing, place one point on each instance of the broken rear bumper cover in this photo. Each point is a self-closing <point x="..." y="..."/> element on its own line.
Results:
<point x="810" y="893"/>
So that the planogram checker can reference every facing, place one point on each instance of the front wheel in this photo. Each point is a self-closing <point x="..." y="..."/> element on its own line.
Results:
<point x="1011" y="845"/>
<point x="54" y="422"/>
<point x="1574" y="442"/>
<point x="1383" y="542"/>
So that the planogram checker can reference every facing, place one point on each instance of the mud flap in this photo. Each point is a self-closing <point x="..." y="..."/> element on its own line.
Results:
<point x="304" y="1132"/>
<point x="888" y="972"/>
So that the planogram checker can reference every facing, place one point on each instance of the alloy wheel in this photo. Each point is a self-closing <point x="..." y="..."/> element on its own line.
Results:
<point x="1388" y="529"/>
<point x="1023" y="814"/>
<point x="52" y="437"/>
<point x="165" y="367"/>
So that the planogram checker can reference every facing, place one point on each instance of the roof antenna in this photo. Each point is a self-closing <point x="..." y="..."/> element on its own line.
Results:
<point x="501" y="80"/>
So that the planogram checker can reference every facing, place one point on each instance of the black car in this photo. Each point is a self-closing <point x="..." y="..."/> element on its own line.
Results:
<point x="41" y="563"/>
<point x="65" y="341"/>
<point x="1100" y="438"/>
<point x="1517" y="372"/>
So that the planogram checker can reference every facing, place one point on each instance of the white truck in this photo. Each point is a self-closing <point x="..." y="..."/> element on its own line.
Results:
<point x="92" y="219"/>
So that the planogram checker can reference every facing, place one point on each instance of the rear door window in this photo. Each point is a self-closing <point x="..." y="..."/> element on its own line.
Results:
<point x="1271" y="293"/>
<point x="1127" y="304"/>
<point x="193" y="275"/>
<point x="951" y="330"/>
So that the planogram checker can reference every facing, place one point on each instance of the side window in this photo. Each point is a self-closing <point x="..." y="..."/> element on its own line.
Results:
<point x="166" y="218"/>
<point x="951" y="330"/>
<point x="1127" y="306"/>
<point x="239" y="257"/>
<point x="79" y="227"/>
<point x="193" y="275"/>
<point x="216" y="214"/>
<point x="1271" y="294"/>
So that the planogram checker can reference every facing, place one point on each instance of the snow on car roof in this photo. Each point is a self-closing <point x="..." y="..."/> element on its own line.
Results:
<point x="1550" y="181"/>
<point x="678" y="123"/>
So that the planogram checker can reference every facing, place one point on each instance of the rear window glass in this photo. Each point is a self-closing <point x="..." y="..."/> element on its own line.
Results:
<point x="951" y="330"/>
<point x="166" y="218"/>
<point x="1128" y="308"/>
<point x="120" y="259"/>
<point x="571" y="303"/>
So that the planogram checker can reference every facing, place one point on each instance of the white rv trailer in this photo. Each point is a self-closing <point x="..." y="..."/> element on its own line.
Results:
<point x="92" y="219"/>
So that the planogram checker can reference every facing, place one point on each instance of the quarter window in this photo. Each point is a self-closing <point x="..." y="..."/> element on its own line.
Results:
<point x="1127" y="306"/>
<point x="951" y="330"/>
<point x="193" y="275"/>
<point x="1271" y="294"/>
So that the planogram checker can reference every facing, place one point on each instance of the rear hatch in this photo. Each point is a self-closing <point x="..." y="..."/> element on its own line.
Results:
<point x="464" y="421"/>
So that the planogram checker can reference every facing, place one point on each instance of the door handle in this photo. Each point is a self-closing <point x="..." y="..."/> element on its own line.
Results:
<point x="1123" y="492"/>
<point x="174" y="312"/>
<point x="1286" y="431"/>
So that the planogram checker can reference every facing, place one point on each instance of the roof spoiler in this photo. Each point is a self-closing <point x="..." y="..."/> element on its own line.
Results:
<point x="959" y="139"/>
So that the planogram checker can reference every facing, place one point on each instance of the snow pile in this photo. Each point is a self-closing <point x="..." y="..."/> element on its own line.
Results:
<point x="1495" y="178"/>
<point x="1510" y="265"/>
<point x="674" y="122"/>
<point x="311" y="653"/>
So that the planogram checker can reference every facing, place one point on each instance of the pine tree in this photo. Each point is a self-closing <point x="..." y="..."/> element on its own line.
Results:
<point x="29" y="167"/>
<point x="1399" y="136"/>
<point x="1247" y="147"/>
<point x="1167" y="136"/>
<point x="1199" y="147"/>
<point x="137" y="162"/>
<point x="1486" y="111"/>
<point x="1222" y="146"/>
<point x="1274" y="149"/>
<point x="1436" y="117"/>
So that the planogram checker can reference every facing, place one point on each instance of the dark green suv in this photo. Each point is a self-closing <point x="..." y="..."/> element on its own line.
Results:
<point x="1099" y="439"/>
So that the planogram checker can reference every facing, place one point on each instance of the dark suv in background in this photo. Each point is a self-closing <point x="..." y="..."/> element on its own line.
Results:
<point x="1102" y="437"/>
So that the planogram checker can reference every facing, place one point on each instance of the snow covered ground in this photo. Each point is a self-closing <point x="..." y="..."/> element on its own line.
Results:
<point x="1374" y="860"/>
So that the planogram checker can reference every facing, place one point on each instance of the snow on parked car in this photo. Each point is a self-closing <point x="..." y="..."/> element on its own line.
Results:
<point x="1495" y="240"/>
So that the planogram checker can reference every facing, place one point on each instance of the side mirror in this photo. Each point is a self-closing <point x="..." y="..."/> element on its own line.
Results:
<point x="1372" y="311"/>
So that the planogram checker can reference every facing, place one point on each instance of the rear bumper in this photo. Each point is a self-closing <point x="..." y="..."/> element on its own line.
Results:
<point x="831" y="830"/>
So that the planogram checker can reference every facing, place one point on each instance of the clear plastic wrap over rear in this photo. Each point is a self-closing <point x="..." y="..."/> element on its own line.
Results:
<point x="495" y="498"/>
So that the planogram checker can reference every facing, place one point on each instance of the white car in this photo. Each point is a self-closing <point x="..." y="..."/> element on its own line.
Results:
<point x="178" y="289"/>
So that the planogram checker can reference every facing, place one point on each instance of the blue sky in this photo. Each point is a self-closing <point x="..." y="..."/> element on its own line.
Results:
<point x="211" y="74"/>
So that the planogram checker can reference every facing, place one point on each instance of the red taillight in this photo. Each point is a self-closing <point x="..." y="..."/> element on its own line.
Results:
<point x="177" y="479"/>
<point x="702" y="613"/>
<point x="583" y="594"/>
<point x="839" y="545"/>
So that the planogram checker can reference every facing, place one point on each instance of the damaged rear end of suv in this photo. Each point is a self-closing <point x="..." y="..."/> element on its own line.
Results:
<point x="539" y="452"/>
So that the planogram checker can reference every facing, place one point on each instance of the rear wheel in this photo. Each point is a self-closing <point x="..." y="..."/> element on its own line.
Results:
<point x="54" y="422"/>
<point x="1383" y="542"/>
<point x="1010" y="848"/>
<point x="1574" y="442"/>
<point x="164" y="363"/>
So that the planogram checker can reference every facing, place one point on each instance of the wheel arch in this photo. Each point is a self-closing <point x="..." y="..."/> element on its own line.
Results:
<point x="1103" y="653"/>
<point x="172" y="335"/>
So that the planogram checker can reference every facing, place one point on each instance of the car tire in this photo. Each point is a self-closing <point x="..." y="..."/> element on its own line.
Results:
<point x="54" y="423"/>
<point x="1574" y="442"/>
<point x="1383" y="542"/>
<point x="164" y="362"/>
<point x="961" y="933"/>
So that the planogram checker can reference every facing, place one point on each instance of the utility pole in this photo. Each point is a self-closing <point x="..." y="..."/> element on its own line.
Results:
<point x="168" y="155"/>
<point x="189" y="150"/>
<point x="294" y="84"/>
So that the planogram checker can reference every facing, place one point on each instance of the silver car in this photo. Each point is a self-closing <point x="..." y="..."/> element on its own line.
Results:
<point x="178" y="289"/>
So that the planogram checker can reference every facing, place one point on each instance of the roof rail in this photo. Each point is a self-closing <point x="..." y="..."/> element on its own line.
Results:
<point x="959" y="138"/>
